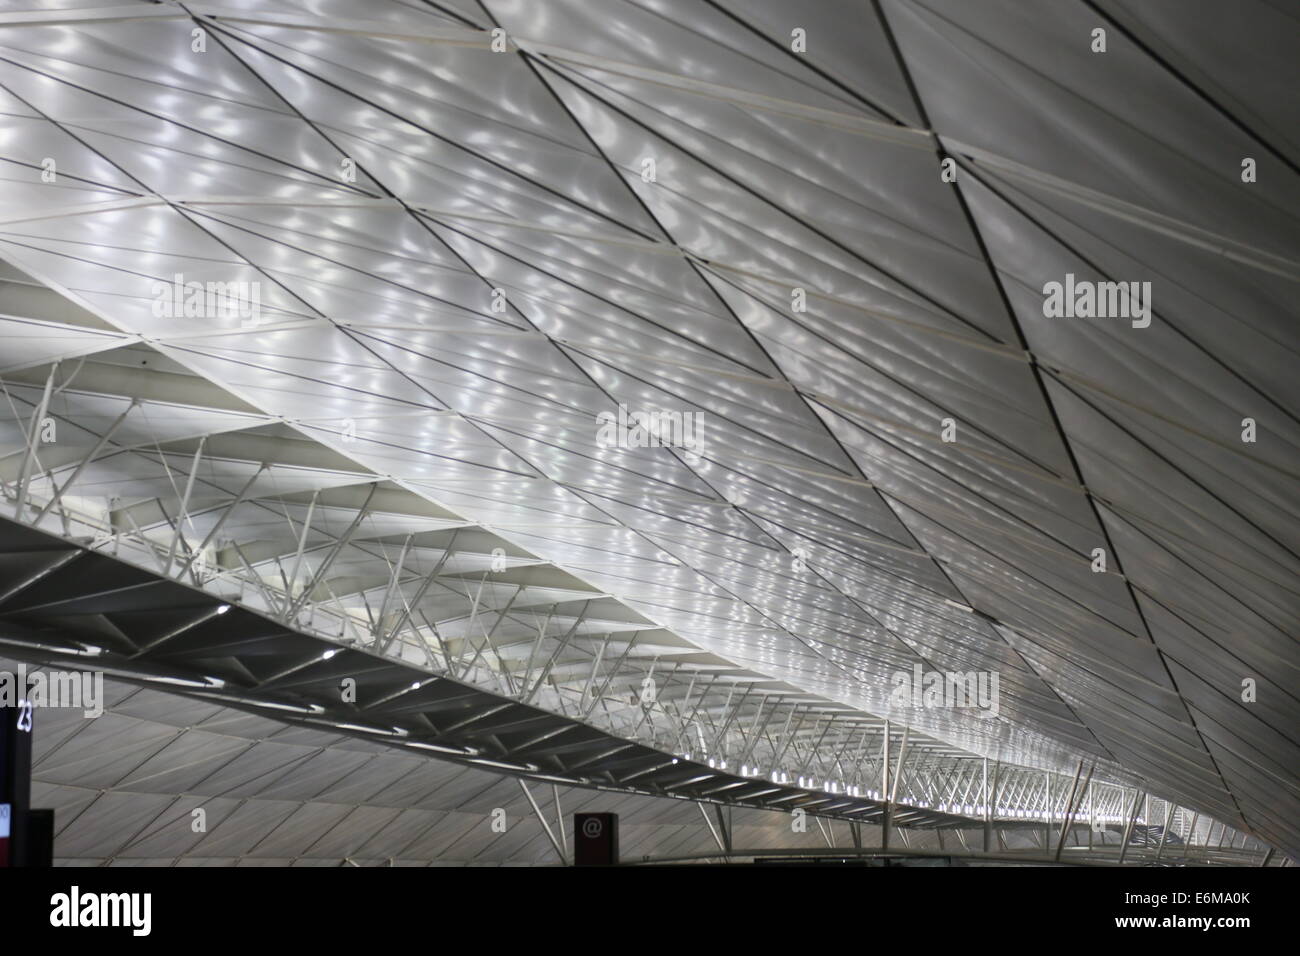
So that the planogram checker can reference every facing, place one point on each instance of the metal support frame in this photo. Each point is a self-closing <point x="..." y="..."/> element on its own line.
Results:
<point x="541" y="818"/>
<point x="745" y="725"/>
<point x="1128" y="825"/>
<point x="29" y="452"/>
<point x="1076" y="796"/>
<point x="717" y="838"/>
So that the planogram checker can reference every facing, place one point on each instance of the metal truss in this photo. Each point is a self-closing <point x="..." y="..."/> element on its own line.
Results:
<point x="342" y="571"/>
<point x="64" y="604"/>
<point x="336" y="556"/>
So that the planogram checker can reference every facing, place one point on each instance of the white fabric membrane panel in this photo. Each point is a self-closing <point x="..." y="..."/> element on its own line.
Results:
<point x="464" y="255"/>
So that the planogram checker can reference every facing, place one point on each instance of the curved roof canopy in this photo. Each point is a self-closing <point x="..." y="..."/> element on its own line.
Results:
<point x="451" y="254"/>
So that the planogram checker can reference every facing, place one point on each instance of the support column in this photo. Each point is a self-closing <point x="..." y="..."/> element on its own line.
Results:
<point x="887" y="819"/>
<point x="1076" y="798"/>
<point x="987" y="798"/>
<point x="1047" y="812"/>
<point x="541" y="818"/>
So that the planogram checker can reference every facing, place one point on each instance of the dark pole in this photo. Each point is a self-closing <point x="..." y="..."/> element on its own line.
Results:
<point x="15" y="780"/>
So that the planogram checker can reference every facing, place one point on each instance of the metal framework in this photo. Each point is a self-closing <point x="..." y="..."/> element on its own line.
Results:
<point x="68" y="604"/>
<point x="396" y="462"/>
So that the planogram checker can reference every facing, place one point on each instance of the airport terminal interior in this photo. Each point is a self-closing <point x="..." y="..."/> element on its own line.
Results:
<point x="552" y="432"/>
